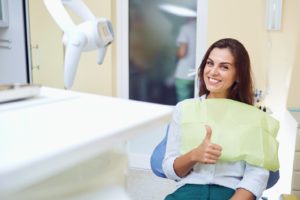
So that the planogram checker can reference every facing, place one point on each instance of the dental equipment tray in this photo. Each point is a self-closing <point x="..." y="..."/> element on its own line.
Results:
<point x="14" y="92"/>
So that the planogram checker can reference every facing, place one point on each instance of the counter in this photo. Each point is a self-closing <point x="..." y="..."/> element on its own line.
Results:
<point x="43" y="136"/>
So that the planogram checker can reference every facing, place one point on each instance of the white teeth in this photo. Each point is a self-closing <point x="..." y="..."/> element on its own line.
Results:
<point x="213" y="80"/>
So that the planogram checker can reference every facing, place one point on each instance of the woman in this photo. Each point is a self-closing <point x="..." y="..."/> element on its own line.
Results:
<point x="224" y="73"/>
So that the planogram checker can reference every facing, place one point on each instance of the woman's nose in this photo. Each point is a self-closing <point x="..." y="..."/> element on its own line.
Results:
<point x="214" y="71"/>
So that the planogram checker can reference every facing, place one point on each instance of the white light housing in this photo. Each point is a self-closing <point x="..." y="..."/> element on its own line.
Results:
<point x="273" y="15"/>
<point x="177" y="10"/>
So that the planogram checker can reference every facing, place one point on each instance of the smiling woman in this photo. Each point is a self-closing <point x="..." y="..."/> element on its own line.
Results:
<point x="200" y="172"/>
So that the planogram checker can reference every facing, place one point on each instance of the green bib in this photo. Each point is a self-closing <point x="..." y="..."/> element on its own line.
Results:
<point x="244" y="132"/>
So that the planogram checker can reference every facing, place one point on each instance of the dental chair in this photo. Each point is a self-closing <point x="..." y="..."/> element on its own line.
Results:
<point x="158" y="155"/>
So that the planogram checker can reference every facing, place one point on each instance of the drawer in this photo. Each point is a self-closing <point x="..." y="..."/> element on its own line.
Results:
<point x="297" y="161"/>
<point x="298" y="140"/>
<point x="297" y="193"/>
<point x="296" y="180"/>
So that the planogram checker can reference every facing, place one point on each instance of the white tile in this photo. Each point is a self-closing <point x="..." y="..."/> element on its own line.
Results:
<point x="142" y="184"/>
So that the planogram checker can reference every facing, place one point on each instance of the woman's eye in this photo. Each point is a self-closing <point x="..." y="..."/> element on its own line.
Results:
<point x="224" y="67"/>
<point x="209" y="63"/>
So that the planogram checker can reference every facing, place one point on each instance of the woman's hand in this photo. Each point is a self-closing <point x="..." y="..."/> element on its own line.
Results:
<point x="207" y="152"/>
<point x="244" y="194"/>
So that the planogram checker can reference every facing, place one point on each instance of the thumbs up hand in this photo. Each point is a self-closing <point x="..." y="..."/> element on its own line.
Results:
<point x="207" y="152"/>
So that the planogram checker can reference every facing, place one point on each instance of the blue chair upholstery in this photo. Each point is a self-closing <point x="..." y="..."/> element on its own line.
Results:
<point x="158" y="155"/>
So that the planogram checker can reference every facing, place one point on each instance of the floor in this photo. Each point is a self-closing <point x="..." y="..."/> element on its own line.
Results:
<point x="142" y="184"/>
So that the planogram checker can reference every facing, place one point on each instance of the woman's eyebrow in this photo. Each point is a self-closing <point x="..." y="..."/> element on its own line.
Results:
<point x="228" y="63"/>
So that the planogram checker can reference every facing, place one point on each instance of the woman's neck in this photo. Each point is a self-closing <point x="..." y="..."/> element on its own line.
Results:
<point x="216" y="96"/>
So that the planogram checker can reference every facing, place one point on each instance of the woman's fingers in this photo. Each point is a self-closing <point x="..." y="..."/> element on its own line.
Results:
<point x="210" y="161"/>
<point x="213" y="154"/>
<point x="215" y="146"/>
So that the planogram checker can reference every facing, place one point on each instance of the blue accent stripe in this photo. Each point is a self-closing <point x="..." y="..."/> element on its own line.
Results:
<point x="294" y="109"/>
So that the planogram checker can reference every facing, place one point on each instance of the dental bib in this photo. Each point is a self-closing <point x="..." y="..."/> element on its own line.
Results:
<point x="243" y="131"/>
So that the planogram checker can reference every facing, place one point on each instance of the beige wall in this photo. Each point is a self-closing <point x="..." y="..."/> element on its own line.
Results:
<point x="273" y="53"/>
<point x="284" y="54"/>
<point x="46" y="46"/>
<point x="114" y="47"/>
<point x="243" y="20"/>
<point x="294" y="91"/>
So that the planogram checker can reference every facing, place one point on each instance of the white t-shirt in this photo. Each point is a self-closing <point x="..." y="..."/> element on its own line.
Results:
<point x="186" y="64"/>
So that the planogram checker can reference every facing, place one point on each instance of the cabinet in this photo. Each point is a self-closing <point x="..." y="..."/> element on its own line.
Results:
<point x="13" y="47"/>
<point x="296" y="169"/>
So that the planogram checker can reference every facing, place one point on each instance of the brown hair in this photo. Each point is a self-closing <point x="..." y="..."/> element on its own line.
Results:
<point x="242" y="89"/>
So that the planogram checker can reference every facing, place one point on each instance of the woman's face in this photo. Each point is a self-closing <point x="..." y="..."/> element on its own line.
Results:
<point x="219" y="73"/>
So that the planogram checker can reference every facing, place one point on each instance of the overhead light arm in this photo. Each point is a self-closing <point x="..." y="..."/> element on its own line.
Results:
<point x="93" y="33"/>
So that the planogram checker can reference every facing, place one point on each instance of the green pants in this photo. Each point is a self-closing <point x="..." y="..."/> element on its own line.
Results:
<point x="184" y="89"/>
<point x="201" y="192"/>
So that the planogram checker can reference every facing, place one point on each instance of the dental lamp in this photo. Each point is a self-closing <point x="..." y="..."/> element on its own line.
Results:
<point x="94" y="33"/>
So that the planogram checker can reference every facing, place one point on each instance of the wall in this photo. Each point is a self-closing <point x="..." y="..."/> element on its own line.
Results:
<point x="46" y="47"/>
<point x="243" y="20"/>
<point x="294" y="90"/>
<point x="284" y="56"/>
<point x="49" y="55"/>
<point x="272" y="53"/>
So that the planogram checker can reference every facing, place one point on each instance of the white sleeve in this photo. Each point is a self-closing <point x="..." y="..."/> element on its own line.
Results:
<point x="173" y="145"/>
<point x="255" y="180"/>
<point x="183" y="36"/>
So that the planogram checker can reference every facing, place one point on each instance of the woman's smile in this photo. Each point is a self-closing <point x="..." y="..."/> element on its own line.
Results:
<point x="213" y="80"/>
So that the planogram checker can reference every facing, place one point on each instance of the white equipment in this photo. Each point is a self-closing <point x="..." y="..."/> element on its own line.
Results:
<point x="178" y="10"/>
<point x="93" y="33"/>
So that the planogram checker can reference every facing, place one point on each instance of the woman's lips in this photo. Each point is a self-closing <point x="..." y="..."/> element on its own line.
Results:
<point x="213" y="80"/>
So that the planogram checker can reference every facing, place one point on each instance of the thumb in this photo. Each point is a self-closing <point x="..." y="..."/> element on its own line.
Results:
<point x="208" y="133"/>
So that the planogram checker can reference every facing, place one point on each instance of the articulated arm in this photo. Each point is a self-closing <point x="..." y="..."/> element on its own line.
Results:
<point x="93" y="33"/>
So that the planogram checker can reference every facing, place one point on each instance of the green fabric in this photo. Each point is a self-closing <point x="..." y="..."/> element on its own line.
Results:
<point x="244" y="132"/>
<point x="184" y="89"/>
<point x="201" y="192"/>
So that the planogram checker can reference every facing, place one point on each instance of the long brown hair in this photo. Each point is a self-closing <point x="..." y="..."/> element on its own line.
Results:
<point x="242" y="89"/>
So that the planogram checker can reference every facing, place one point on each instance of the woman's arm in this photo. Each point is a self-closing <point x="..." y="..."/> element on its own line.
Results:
<point x="206" y="153"/>
<point x="254" y="181"/>
<point x="176" y="166"/>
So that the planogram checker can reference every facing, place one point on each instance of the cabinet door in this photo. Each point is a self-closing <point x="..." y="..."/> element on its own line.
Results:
<point x="13" y="47"/>
<point x="297" y="161"/>
<point x="298" y="141"/>
<point x="296" y="181"/>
